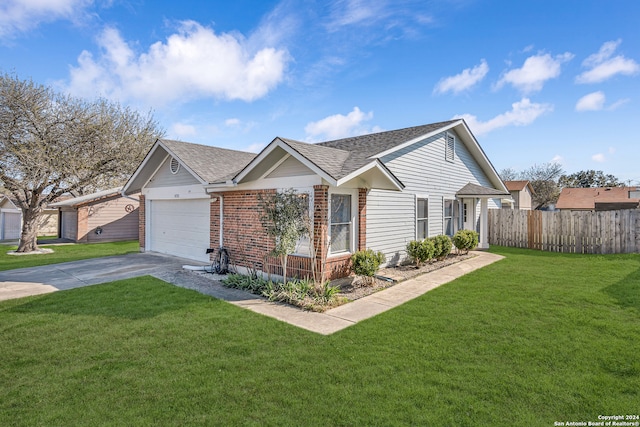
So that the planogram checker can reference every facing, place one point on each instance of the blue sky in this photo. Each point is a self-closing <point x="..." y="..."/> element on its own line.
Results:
<point x="537" y="81"/>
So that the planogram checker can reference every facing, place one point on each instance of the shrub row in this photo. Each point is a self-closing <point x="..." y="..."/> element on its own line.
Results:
<point x="438" y="247"/>
<point x="303" y="293"/>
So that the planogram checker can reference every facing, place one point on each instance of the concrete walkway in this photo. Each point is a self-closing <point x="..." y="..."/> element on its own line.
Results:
<point x="349" y="314"/>
<point x="38" y="280"/>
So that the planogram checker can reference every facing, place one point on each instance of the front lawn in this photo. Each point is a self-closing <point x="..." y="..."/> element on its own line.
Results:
<point x="534" y="339"/>
<point x="65" y="253"/>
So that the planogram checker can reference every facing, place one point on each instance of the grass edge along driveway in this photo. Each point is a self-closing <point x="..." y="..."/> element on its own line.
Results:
<point x="530" y="340"/>
<point x="65" y="253"/>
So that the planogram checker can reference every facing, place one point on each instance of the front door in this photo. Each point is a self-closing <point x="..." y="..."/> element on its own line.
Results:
<point x="469" y="214"/>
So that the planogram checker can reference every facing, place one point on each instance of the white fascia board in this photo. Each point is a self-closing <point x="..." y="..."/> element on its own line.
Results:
<point x="414" y="140"/>
<point x="374" y="164"/>
<point x="142" y="165"/>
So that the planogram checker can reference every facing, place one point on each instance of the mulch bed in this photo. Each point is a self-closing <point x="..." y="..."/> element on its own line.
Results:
<point x="353" y="287"/>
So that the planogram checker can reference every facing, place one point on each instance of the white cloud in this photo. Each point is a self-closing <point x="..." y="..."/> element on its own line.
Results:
<point x="603" y="66"/>
<point x="557" y="159"/>
<point x="193" y="63"/>
<point x="591" y="102"/>
<point x="463" y="81"/>
<point x="18" y="16"/>
<point x="523" y="112"/>
<point x="255" y="148"/>
<point x="598" y="158"/>
<point x="181" y="130"/>
<point x="232" y="122"/>
<point x="341" y="126"/>
<point x="535" y="71"/>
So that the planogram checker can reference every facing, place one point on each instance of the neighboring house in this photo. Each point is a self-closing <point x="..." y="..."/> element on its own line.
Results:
<point x="11" y="220"/>
<point x="105" y="216"/>
<point x="521" y="193"/>
<point x="376" y="191"/>
<point x="599" y="199"/>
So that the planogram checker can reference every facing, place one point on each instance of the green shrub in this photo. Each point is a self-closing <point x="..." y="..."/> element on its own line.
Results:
<point x="421" y="250"/>
<point x="465" y="240"/>
<point x="366" y="263"/>
<point x="442" y="244"/>
<point x="303" y="293"/>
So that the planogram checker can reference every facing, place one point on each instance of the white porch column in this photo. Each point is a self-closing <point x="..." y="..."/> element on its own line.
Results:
<point x="484" y="222"/>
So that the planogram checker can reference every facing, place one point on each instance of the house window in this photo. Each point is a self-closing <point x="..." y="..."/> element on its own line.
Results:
<point x="303" y="245"/>
<point x="422" y="219"/>
<point x="450" y="147"/>
<point x="450" y="216"/>
<point x="340" y="223"/>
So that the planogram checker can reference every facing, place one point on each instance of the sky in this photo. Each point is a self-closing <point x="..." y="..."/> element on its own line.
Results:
<point x="537" y="81"/>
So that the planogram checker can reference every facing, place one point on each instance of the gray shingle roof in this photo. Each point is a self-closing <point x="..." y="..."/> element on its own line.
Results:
<point x="478" y="190"/>
<point x="341" y="157"/>
<point x="211" y="164"/>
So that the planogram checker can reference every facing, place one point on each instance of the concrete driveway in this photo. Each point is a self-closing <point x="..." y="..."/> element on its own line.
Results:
<point x="49" y="278"/>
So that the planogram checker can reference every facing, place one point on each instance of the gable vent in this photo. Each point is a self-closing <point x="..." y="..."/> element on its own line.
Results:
<point x="450" y="147"/>
<point x="174" y="165"/>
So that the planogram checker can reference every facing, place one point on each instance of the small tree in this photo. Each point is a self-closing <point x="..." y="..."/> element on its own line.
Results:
<point x="285" y="216"/>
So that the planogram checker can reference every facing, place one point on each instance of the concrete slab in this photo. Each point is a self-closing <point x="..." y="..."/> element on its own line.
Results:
<point x="11" y="290"/>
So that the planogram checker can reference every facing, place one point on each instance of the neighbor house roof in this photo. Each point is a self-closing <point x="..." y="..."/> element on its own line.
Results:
<point x="87" y="198"/>
<point x="518" y="185"/>
<point x="586" y="198"/>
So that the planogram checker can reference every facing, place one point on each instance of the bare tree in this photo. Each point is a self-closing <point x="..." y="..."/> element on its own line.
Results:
<point x="509" y="174"/>
<point x="51" y="144"/>
<point x="544" y="180"/>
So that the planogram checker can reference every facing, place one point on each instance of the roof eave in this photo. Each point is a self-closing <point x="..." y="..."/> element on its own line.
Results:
<point x="396" y="184"/>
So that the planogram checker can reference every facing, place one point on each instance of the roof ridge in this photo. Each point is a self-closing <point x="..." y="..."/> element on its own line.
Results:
<point x="204" y="145"/>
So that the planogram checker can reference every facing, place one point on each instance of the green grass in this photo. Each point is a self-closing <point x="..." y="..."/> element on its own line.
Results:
<point x="65" y="253"/>
<point x="530" y="340"/>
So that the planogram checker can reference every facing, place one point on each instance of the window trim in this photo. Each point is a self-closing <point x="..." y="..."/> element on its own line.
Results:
<point x="418" y="197"/>
<point x="308" y="193"/>
<point x="455" y="208"/>
<point x="353" y="222"/>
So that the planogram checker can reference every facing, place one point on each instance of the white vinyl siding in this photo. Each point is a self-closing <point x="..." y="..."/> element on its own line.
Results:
<point x="289" y="168"/>
<point x="423" y="169"/>
<point x="390" y="223"/>
<point x="164" y="177"/>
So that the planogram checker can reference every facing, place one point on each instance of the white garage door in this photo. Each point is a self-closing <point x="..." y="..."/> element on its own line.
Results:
<point x="11" y="227"/>
<point x="179" y="227"/>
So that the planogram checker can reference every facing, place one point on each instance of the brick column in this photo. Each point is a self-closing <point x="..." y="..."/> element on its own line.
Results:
<point x="362" y="219"/>
<point x="142" y="223"/>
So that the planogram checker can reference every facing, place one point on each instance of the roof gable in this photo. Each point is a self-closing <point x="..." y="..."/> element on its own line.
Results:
<point x="206" y="163"/>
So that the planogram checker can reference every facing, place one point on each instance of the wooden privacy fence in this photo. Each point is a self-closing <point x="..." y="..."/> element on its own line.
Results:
<point x="589" y="232"/>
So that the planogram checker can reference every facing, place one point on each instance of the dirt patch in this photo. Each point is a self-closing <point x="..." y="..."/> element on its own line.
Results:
<point x="353" y="288"/>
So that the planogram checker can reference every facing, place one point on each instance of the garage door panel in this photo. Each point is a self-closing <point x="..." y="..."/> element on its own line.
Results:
<point x="180" y="228"/>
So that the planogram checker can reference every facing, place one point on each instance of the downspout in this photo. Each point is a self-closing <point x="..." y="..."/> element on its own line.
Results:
<point x="221" y="216"/>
